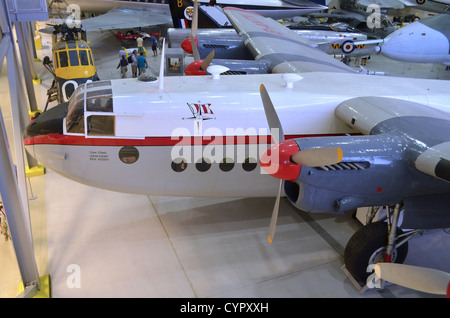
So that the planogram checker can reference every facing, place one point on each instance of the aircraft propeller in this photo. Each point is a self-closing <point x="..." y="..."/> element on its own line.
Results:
<point x="423" y="279"/>
<point x="193" y="67"/>
<point x="274" y="123"/>
<point x="194" y="24"/>
<point x="313" y="157"/>
<point x="194" y="28"/>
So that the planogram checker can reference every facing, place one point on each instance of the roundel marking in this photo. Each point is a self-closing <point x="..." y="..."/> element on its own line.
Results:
<point x="348" y="46"/>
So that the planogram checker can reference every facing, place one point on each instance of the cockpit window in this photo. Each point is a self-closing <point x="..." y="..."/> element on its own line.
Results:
<point x="73" y="55"/>
<point x="75" y="114"/>
<point x="91" y="58"/>
<point x="60" y="46"/>
<point x="63" y="62"/>
<point x="82" y="45"/>
<point x="98" y="84"/>
<point x="98" y="99"/>
<point x="99" y="125"/>
<point x="75" y="52"/>
<point x="84" y="60"/>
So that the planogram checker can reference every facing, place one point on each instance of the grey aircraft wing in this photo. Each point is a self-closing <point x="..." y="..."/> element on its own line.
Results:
<point x="287" y="52"/>
<point x="128" y="18"/>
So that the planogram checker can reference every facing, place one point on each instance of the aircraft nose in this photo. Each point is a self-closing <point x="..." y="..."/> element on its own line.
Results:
<point x="49" y="122"/>
<point x="414" y="43"/>
<point x="391" y="44"/>
<point x="276" y="160"/>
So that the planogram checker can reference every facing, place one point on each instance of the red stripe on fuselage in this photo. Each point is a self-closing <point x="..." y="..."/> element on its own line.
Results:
<point x="71" y="140"/>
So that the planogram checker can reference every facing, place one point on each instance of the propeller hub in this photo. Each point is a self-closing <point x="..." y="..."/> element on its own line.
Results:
<point x="276" y="160"/>
<point x="186" y="45"/>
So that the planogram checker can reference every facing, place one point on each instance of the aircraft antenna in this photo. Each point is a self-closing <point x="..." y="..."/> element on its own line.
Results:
<point x="161" y="66"/>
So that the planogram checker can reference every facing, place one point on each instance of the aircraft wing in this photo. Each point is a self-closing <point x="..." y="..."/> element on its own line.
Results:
<point x="128" y="18"/>
<point x="426" y="127"/>
<point x="286" y="51"/>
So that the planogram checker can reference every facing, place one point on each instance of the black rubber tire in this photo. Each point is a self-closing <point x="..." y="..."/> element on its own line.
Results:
<point x="364" y="244"/>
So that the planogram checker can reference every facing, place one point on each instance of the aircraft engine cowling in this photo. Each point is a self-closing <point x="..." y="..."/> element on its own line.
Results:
<point x="375" y="170"/>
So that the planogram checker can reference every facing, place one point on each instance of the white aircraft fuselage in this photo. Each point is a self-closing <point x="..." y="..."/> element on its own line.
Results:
<point x="199" y="117"/>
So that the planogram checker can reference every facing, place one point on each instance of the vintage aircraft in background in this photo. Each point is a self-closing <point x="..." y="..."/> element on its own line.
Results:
<point x="355" y="18"/>
<point x="132" y="35"/>
<point x="424" y="41"/>
<point x="267" y="59"/>
<point x="73" y="63"/>
<point x="211" y="15"/>
<point x="203" y="136"/>
<point x="114" y="15"/>
<point x="436" y="6"/>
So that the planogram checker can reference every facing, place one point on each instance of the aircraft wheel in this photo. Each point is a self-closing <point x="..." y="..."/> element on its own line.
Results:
<point x="368" y="246"/>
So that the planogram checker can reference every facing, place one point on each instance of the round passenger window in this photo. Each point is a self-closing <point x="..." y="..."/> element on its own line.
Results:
<point x="203" y="165"/>
<point x="179" y="164"/>
<point x="249" y="164"/>
<point x="226" y="165"/>
<point x="128" y="154"/>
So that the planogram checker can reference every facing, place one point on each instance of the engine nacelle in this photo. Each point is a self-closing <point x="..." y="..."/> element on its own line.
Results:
<point x="224" y="48"/>
<point x="376" y="170"/>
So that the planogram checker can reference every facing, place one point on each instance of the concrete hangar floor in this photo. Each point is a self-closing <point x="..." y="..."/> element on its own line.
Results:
<point x="146" y="246"/>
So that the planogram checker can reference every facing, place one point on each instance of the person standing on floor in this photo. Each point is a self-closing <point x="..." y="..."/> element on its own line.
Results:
<point x="154" y="45"/>
<point x="123" y="66"/>
<point x="134" y="63"/>
<point x="122" y="51"/>
<point x="142" y="63"/>
<point x="140" y="45"/>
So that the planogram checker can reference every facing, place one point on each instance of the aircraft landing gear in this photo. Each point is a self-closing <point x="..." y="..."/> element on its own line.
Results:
<point x="381" y="241"/>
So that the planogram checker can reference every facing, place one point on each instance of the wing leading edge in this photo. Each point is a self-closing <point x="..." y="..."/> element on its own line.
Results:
<point x="427" y="129"/>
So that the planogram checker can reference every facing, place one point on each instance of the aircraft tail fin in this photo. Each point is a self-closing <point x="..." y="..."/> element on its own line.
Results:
<point x="181" y="14"/>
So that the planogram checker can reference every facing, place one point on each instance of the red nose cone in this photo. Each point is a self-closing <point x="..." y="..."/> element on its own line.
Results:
<point x="186" y="45"/>
<point x="194" y="68"/>
<point x="276" y="161"/>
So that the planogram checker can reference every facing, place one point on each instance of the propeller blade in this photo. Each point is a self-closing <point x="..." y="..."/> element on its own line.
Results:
<point x="274" y="218"/>
<point x="195" y="49"/>
<point x="316" y="157"/>
<point x="271" y="115"/>
<point x="207" y="61"/>
<point x="194" y="24"/>
<point x="418" y="278"/>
